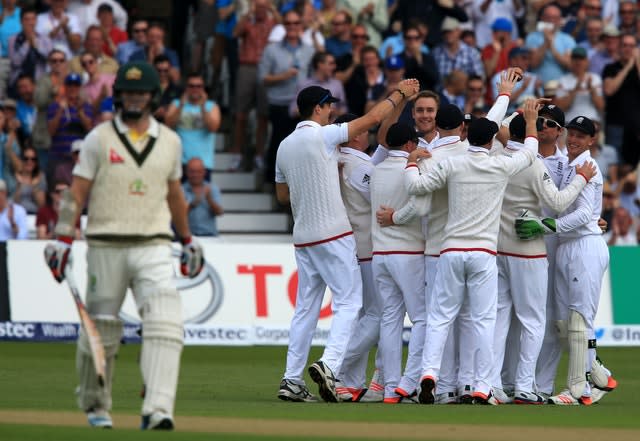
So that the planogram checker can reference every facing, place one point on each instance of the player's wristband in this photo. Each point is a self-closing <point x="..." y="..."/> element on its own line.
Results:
<point x="186" y="240"/>
<point x="66" y="239"/>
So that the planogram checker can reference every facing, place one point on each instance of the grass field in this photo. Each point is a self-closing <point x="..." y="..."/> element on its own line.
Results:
<point x="230" y="393"/>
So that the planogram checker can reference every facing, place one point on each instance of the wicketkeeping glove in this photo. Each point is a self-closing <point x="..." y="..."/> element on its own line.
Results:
<point x="58" y="256"/>
<point x="191" y="259"/>
<point x="529" y="227"/>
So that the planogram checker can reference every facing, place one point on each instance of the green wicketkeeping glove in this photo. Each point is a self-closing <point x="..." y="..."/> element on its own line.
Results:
<point x="529" y="227"/>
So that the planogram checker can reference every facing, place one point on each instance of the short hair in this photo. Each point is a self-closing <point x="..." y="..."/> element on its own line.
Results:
<point x="93" y="28"/>
<point x="28" y="10"/>
<point x="161" y="58"/>
<point x="194" y="74"/>
<point x="369" y="48"/>
<point x="158" y="25"/>
<point x="319" y="57"/>
<point x="23" y="76"/>
<point x="428" y="94"/>
<point x="56" y="51"/>
<point x="105" y="7"/>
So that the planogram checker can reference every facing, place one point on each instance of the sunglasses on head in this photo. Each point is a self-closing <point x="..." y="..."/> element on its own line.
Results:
<point x="551" y="124"/>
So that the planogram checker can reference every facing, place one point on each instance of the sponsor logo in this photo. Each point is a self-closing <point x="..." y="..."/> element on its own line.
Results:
<point x="138" y="188"/>
<point x="114" y="157"/>
<point x="9" y="330"/>
<point x="133" y="74"/>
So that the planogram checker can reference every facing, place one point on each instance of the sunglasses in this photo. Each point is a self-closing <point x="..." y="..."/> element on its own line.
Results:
<point x="338" y="23"/>
<point x="360" y="37"/>
<point x="163" y="70"/>
<point x="140" y="30"/>
<point x="194" y="86"/>
<point x="88" y="62"/>
<point x="412" y="37"/>
<point x="30" y="158"/>
<point x="56" y="60"/>
<point x="291" y="23"/>
<point x="542" y="122"/>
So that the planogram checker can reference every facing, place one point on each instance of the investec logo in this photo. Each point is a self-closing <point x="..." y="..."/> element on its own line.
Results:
<point x="17" y="330"/>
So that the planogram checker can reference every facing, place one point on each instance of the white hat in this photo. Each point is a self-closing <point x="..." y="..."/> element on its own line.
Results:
<point x="449" y="24"/>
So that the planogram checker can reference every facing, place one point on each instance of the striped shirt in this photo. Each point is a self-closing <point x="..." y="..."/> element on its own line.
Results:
<point x="69" y="129"/>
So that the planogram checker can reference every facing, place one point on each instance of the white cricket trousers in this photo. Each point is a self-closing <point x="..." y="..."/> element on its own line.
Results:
<point x="400" y="282"/>
<point x="522" y="289"/>
<point x="473" y="274"/>
<point x="366" y="335"/>
<point x="333" y="264"/>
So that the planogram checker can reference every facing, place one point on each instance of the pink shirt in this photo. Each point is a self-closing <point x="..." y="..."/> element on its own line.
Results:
<point x="92" y="90"/>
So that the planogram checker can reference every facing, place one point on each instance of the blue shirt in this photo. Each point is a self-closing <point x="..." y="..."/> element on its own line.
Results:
<point x="9" y="27"/>
<point x="197" y="140"/>
<point x="396" y="42"/>
<point x="126" y="49"/>
<point x="337" y="47"/>
<point x="202" y="222"/>
<point x="225" y="27"/>
<point x="26" y="114"/>
<point x="141" y="55"/>
<point x="549" y="69"/>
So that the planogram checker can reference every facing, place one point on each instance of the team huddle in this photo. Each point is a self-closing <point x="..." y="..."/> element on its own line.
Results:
<point x="482" y="230"/>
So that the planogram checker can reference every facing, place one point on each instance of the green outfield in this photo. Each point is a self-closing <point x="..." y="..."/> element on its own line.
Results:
<point x="230" y="393"/>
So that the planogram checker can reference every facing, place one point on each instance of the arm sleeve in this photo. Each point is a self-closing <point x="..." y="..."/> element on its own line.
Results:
<point x="518" y="162"/>
<point x="549" y="194"/>
<point x="379" y="155"/>
<point x="499" y="109"/>
<point x="280" y="177"/>
<point x="417" y="206"/>
<point x="417" y="184"/>
<point x="581" y="215"/>
<point x="87" y="166"/>
<point x="333" y="135"/>
<point x="176" y="173"/>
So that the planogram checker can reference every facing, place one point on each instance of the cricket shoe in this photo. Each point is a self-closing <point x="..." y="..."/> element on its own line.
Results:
<point x="601" y="377"/>
<point x="407" y="398"/>
<point x="326" y="381"/>
<point x="565" y="398"/>
<point x="349" y="394"/>
<point x="99" y="418"/>
<point x="427" y="388"/>
<point x="466" y="397"/>
<point x="375" y="391"/>
<point x="157" y="421"/>
<point x="446" y="398"/>
<point x="597" y="394"/>
<point x="290" y="391"/>
<point x="524" y="397"/>
<point x="480" y="398"/>
<point x="501" y="396"/>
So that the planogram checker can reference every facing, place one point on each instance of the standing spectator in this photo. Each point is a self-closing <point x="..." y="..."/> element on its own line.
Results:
<point x="26" y="109"/>
<point x="137" y="42"/>
<point x="372" y="14"/>
<point x="47" y="215"/>
<point x="367" y="84"/>
<point x="282" y="65"/>
<point x="13" y="217"/>
<point x="154" y="47"/>
<point x="621" y="85"/>
<point x="495" y="55"/>
<point x="629" y="21"/>
<point x="49" y="88"/>
<point x="98" y="85"/>
<point x="394" y="44"/>
<point x="453" y="92"/>
<point x="590" y="9"/>
<point x="346" y="64"/>
<point x="111" y="34"/>
<point x="622" y="231"/>
<point x="86" y="12"/>
<point x="339" y="42"/>
<point x="474" y="98"/>
<point x="196" y="118"/>
<point x="326" y="13"/>
<point x="608" y="53"/>
<point x="487" y="12"/>
<point x="593" y="41"/>
<point x="9" y="151"/>
<point x="225" y="44"/>
<point x="169" y="90"/>
<point x="605" y="155"/>
<point x="323" y="67"/>
<point x="253" y="32"/>
<point x="310" y="35"/>
<point x="93" y="44"/>
<point x="61" y="27"/>
<point x="417" y="64"/>
<point x="28" y="50"/>
<point x="434" y="12"/>
<point x="204" y="199"/>
<point x="68" y="118"/>
<point x="580" y="92"/>
<point x="453" y="54"/>
<point x="550" y="47"/>
<point x="205" y="19"/>
<point x="10" y="24"/>
<point x="31" y="183"/>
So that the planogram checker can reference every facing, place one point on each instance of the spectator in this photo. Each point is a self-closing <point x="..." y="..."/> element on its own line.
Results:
<point x="28" y="50"/>
<point x="346" y="64"/>
<point x="31" y="184"/>
<point x="49" y="88"/>
<point x="68" y="118"/>
<point x="417" y="64"/>
<point x="609" y="52"/>
<point x="225" y="45"/>
<point x="310" y="35"/>
<point x="253" y="31"/>
<point x="605" y="155"/>
<point x="372" y="14"/>
<point x="626" y="189"/>
<point x="196" y="119"/>
<point x="9" y="151"/>
<point x="93" y="44"/>
<point x="394" y="72"/>
<point x="98" y="85"/>
<point x="622" y="231"/>
<point x="169" y="91"/>
<point x="154" y="47"/>
<point x="111" y="34"/>
<point x="86" y="12"/>
<point x="487" y="12"/>
<point x="495" y="55"/>
<point x="550" y="89"/>
<point x="137" y="42"/>
<point x="281" y="66"/>
<point x="593" y="41"/>
<point x="13" y="217"/>
<point x="621" y="85"/>
<point x="326" y="13"/>
<point x="339" y="42"/>
<point x="26" y="109"/>
<point x="468" y="37"/>
<point x="10" y="24"/>
<point x="453" y="54"/>
<point x="204" y="199"/>
<point x="629" y="22"/>
<point x="47" y="216"/>
<point x="453" y="92"/>
<point x="323" y="66"/>
<point x="10" y="111"/>
<point x="205" y="20"/>
<point x="580" y="92"/>
<point x="61" y="27"/>
<point x="434" y="12"/>
<point x="367" y="83"/>
<point x="474" y="98"/>
<point x="519" y="57"/>
<point x="550" y="47"/>
<point x="590" y="9"/>
<point x="394" y="44"/>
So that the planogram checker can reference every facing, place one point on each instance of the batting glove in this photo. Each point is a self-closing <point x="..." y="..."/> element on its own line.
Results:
<point x="529" y="227"/>
<point x="191" y="259"/>
<point x="58" y="256"/>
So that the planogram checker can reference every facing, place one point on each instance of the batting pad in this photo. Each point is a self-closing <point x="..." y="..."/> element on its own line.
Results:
<point x="90" y="394"/>
<point x="162" y="338"/>
<point x="577" y="334"/>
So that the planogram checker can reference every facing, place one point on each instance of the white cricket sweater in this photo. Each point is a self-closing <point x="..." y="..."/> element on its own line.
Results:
<point x="476" y="184"/>
<point x="530" y="190"/>
<point x="354" y="186"/>
<point x="387" y="188"/>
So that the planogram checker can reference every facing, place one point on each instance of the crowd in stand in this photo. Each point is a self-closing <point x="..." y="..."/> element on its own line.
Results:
<point x="58" y="60"/>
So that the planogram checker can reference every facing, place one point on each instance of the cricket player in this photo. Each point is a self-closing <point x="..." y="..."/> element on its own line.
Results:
<point x="129" y="170"/>
<point x="307" y="178"/>
<point x="522" y="266"/>
<point x="582" y="258"/>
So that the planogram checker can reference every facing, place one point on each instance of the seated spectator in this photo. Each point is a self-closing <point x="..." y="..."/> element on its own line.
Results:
<point x="154" y="47"/>
<point x="47" y="216"/>
<point x="28" y="50"/>
<point x="196" y="119"/>
<point x="9" y="151"/>
<point x="31" y="184"/>
<point x="111" y="33"/>
<point x="453" y="54"/>
<point x="367" y="83"/>
<point x="417" y="64"/>
<point x="93" y="44"/>
<point x="339" y="42"/>
<point x="204" y="199"/>
<point x="10" y="111"/>
<point x="98" y="85"/>
<point x="622" y="232"/>
<point x="590" y="9"/>
<point x="87" y="13"/>
<point x="61" y="27"/>
<point x="26" y="110"/>
<point x="629" y="19"/>
<point x="474" y="98"/>
<point x="137" y="42"/>
<point x="13" y="217"/>
<point x="580" y="92"/>
<point x="373" y="14"/>
<point x="68" y="118"/>
<point x="169" y="91"/>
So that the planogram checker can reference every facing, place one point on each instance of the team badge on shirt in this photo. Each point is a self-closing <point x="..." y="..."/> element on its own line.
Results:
<point x="138" y="188"/>
<point x="366" y="178"/>
<point x="114" y="157"/>
<point x="546" y="177"/>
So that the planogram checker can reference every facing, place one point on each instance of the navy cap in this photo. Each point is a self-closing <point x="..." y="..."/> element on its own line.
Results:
<point x="399" y="133"/>
<point x="554" y="112"/>
<point x="394" y="62"/>
<point x="584" y="124"/>
<point x="449" y="117"/>
<point x="518" y="127"/>
<point x="469" y="118"/>
<point x="73" y="78"/>
<point x="518" y="50"/>
<point x="314" y="95"/>
<point x="481" y="131"/>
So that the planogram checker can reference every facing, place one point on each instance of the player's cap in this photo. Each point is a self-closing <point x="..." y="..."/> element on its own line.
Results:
<point x="583" y="124"/>
<point x="8" y="103"/>
<point x="517" y="51"/>
<point x="449" y="24"/>
<point x="449" y="117"/>
<point x="517" y="127"/>
<point x="394" y="62"/>
<point x="76" y="146"/>
<point x="345" y="117"/>
<point x="137" y="76"/>
<point x="469" y="118"/>
<point x="481" y="131"/>
<point x="554" y="112"/>
<point x="73" y="79"/>
<point x="610" y="31"/>
<point x="315" y="95"/>
<point x="579" y="52"/>
<point x="502" y="24"/>
<point x="399" y="133"/>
